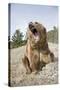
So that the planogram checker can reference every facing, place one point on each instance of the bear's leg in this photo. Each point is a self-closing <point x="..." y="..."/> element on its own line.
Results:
<point x="47" y="58"/>
<point x="26" y="65"/>
<point x="35" y="64"/>
<point x="34" y="68"/>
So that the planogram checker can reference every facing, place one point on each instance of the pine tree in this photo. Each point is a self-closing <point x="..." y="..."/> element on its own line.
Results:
<point x="17" y="38"/>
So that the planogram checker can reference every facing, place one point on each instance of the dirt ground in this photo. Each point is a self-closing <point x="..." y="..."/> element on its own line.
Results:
<point x="18" y="77"/>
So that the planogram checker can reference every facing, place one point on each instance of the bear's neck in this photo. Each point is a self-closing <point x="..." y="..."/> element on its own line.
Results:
<point x="33" y="46"/>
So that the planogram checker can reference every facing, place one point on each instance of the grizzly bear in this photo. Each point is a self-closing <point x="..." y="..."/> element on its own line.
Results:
<point x="37" y="49"/>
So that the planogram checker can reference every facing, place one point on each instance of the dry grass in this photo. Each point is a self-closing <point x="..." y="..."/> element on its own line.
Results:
<point x="48" y="75"/>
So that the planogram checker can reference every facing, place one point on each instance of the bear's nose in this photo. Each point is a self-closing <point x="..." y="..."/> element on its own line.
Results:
<point x="31" y="25"/>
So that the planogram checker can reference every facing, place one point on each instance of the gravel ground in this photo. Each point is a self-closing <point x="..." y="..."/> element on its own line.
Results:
<point x="48" y="75"/>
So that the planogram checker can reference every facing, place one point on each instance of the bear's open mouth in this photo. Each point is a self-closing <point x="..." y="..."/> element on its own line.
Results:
<point x="34" y="31"/>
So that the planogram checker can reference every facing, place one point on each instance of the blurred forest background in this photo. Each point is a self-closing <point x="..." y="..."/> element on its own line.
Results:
<point x="18" y="41"/>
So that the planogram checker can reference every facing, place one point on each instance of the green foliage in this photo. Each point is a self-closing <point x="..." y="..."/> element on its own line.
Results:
<point x="17" y="39"/>
<point x="52" y="35"/>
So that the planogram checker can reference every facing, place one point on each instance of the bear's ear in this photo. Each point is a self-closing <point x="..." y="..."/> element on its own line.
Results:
<point x="36" y="22"/>
<point x="44" y="29"/>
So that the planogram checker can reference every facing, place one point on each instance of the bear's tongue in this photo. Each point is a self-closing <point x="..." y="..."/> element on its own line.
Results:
<point x="36" y="33"/>
<point x="36" y="37"/>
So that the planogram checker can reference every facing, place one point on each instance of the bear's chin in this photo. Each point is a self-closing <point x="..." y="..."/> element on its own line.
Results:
<point x="36" y="38"/>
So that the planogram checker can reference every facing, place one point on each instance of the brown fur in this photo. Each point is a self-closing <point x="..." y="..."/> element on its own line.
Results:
<point x="37" y="49"/>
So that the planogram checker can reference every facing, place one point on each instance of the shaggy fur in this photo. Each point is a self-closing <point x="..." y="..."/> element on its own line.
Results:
<point x="37" y="49"/>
